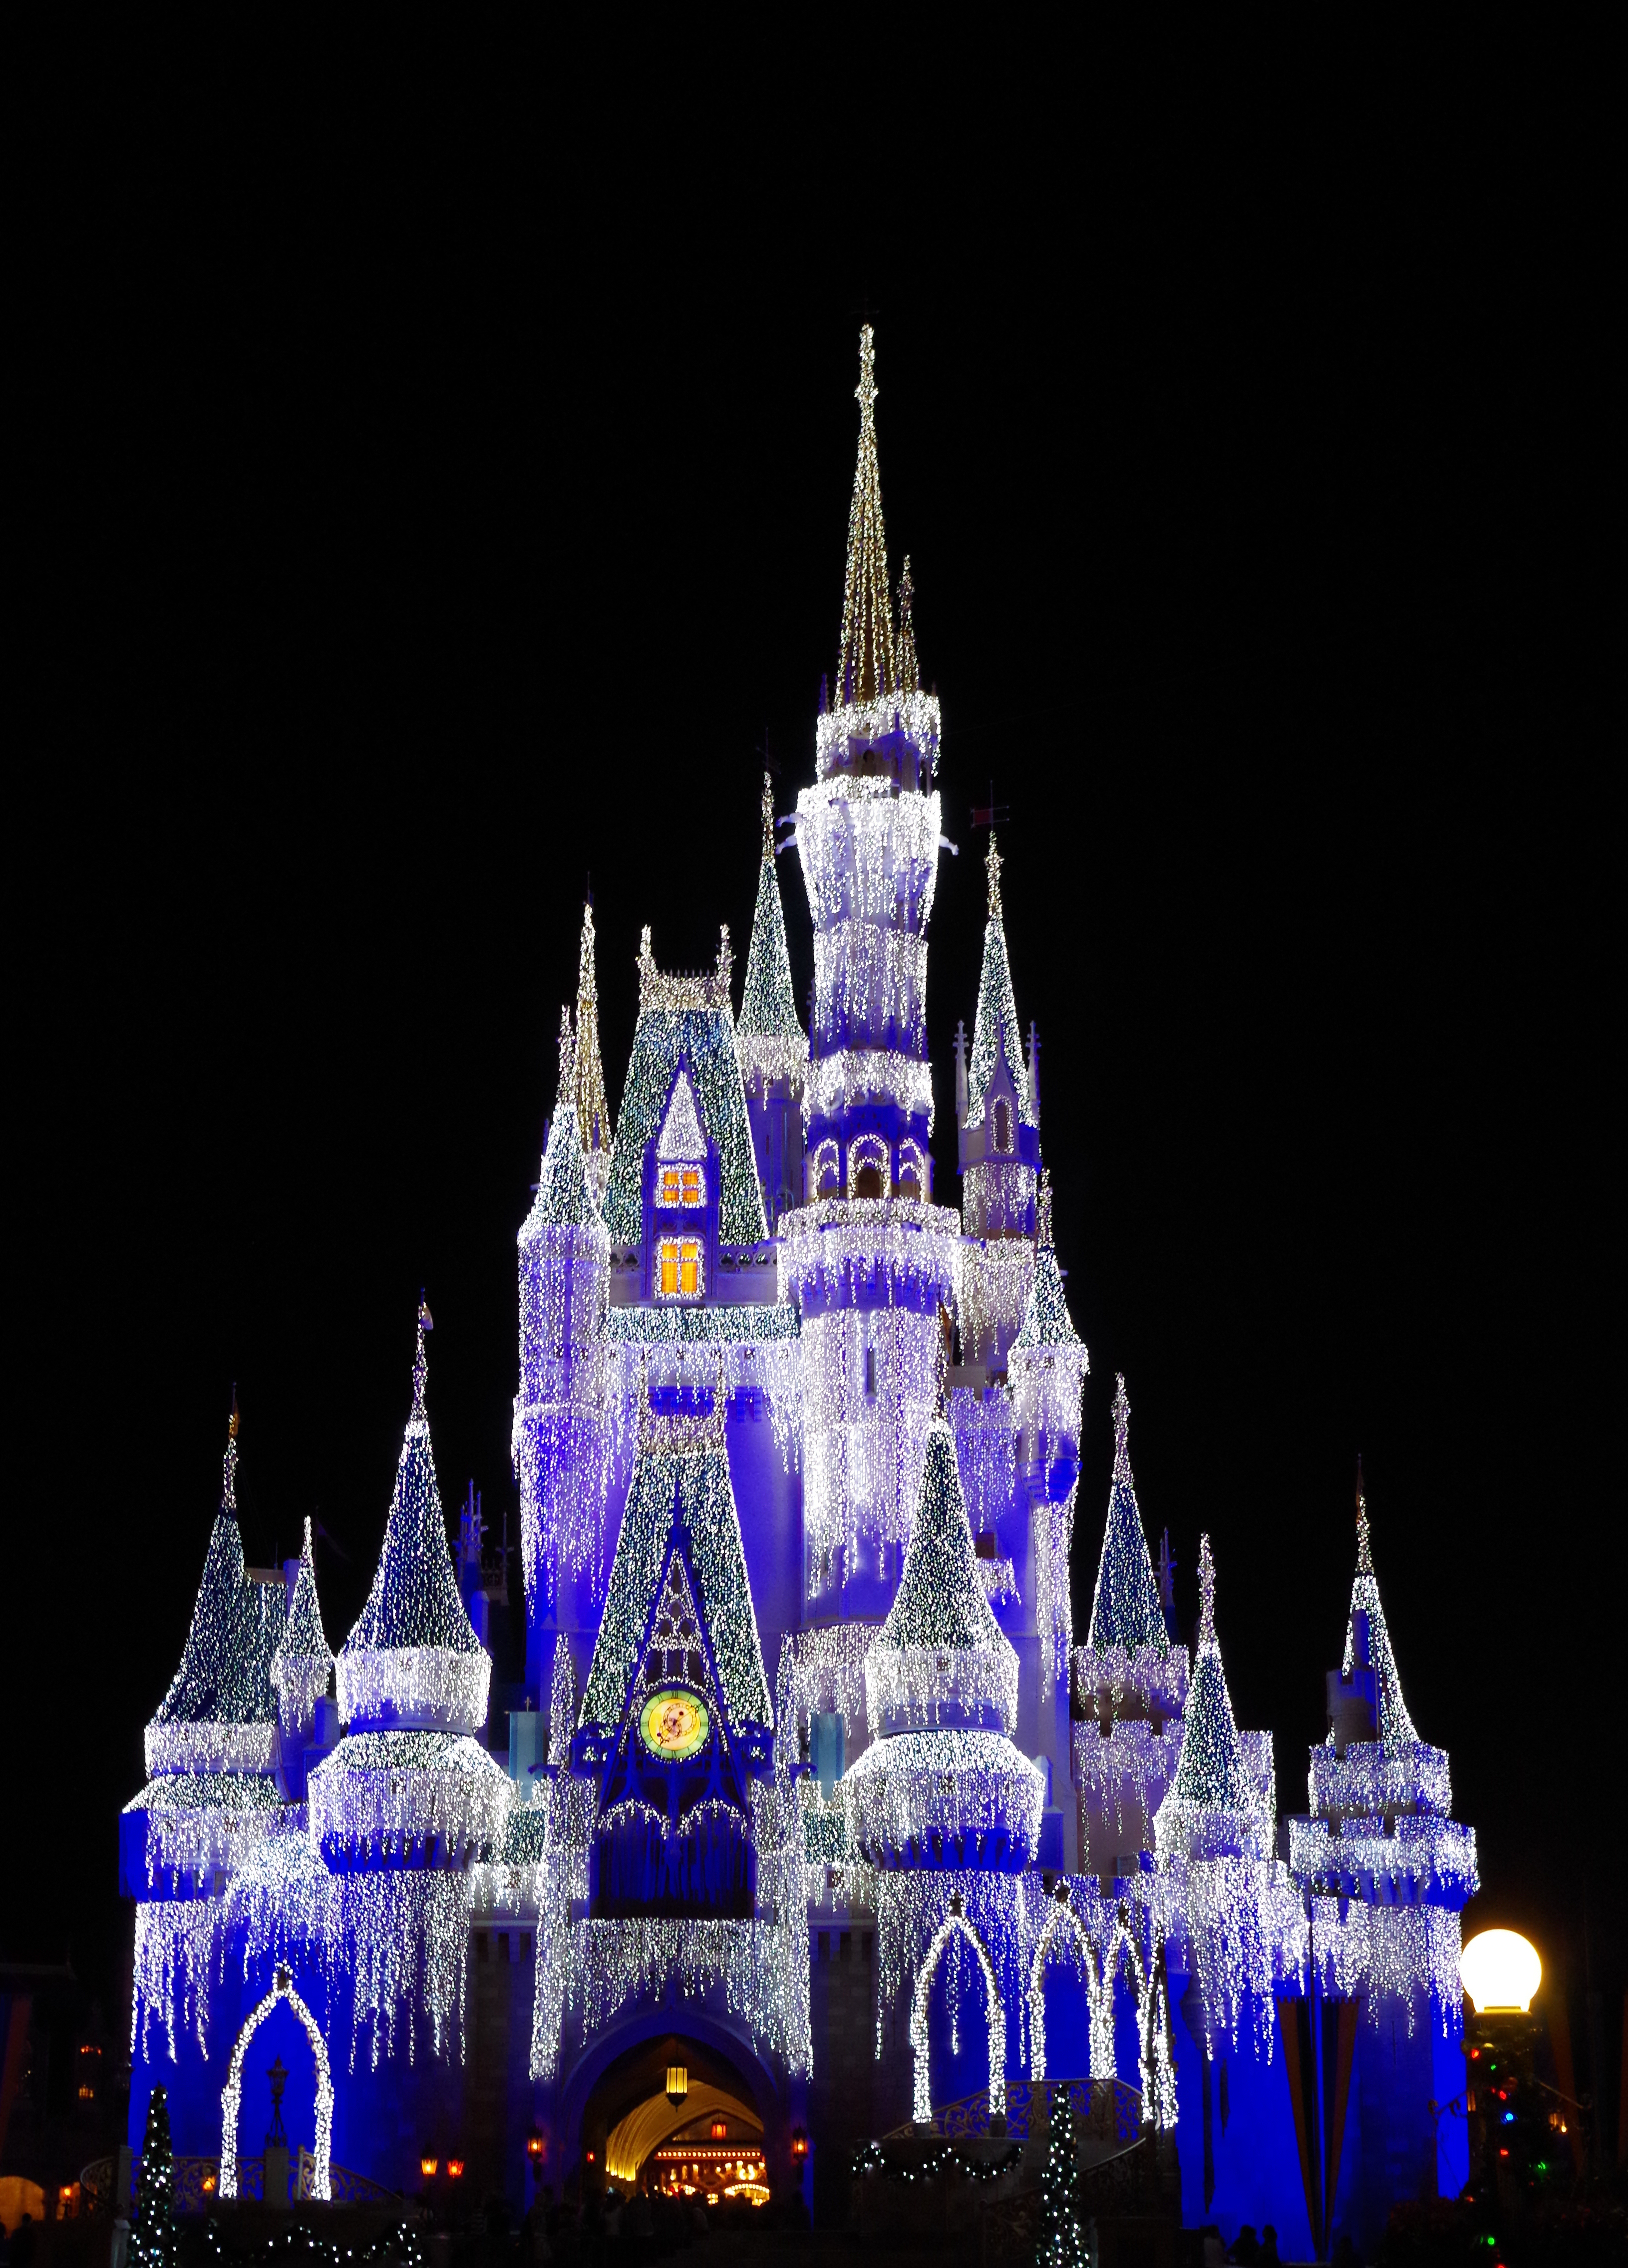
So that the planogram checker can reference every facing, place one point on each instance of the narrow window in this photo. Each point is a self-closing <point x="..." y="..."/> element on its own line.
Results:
<point x="870" y="1371"/>
<point x="1003" y="1124"/>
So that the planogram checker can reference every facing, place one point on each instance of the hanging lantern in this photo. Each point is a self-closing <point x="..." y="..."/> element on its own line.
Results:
<point x="800" y="2141"/>
<point x="678" y="2083"/>
<point x="427" y="2166"/>
<point x="454" y="2167"/>
<point x="720" y="2129"/>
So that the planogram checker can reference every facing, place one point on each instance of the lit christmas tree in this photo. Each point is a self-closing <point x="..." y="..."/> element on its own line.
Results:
<point x="152" y="2232"/>
<point x="1062" y="2239"/>
<point x="1126" y="1609"/>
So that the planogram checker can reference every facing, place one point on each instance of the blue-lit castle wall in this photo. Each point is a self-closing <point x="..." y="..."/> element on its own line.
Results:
<point x="815" y="1786"/>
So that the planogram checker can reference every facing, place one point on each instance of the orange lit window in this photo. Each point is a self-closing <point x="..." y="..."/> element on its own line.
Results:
<point x="678" y="1262"/>
<point x="681" y="1185"/>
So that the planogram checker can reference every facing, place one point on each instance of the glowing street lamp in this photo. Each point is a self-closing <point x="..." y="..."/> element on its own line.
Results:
<point x="1500" y="1970"/>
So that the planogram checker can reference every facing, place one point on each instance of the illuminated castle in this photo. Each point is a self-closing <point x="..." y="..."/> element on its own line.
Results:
<point x="817" y="1820"/>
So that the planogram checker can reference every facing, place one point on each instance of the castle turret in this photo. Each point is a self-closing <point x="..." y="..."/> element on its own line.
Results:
<point x="211" y="1795"/>
<point x="872" y="1264"/>
<point x="1130" y="1685"/>
<point x="769" y="1045"/>
<point x="1386" y="1871"/>
<point x="561" y="1439"/>
<point x="412" y="1661"/>
<point x="409" y="1801"/>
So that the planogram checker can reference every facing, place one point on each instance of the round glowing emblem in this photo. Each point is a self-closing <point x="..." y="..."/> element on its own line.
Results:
<point x="673" y="1724"/>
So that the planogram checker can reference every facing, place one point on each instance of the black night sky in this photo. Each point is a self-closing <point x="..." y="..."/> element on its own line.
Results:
<point x="417" y="520"/>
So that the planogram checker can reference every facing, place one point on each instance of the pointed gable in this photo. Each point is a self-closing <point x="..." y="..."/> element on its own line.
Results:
<point x="685" y="1019"/>
<point x="681" y="1505"/>
<point x="681" y="1137"/>
<point x="1126" y="1609"/>
<point x="1046" y="1319"/>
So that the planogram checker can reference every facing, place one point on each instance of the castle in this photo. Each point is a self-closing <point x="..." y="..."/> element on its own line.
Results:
<point x="819" y="1818"/>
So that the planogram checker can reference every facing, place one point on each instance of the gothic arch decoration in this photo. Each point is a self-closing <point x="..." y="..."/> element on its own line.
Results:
<point x="232" y="2094"/>
<point x="946" y="1929"/>
<point x="867" y="1150"/>
<point x="1102" y="2051"/>
<point x="1062" y="1921"/>
<point x="825" y="1160"/>
<point x="913" y="1166"/>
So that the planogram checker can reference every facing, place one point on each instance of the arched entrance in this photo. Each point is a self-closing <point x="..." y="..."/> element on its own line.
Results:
<point x="639" y="2134"/>
<point x="956" y="1925"/>
<point x="282" y="1989"/>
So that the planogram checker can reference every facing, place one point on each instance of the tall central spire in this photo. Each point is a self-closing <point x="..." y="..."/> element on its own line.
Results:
<point x="867" y="665"/>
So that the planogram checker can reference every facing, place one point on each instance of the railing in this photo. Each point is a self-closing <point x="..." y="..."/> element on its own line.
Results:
<point x="1105" y="2110"/>
<point x="196" y="2183"/>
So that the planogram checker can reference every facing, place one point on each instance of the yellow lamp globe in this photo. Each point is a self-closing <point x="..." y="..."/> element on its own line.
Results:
<point x="1500" y="1971"/>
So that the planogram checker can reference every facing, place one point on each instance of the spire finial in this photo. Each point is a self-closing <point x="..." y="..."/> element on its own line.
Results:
<point x="867" y="665"/>
<point x="910" y="668"/>
<point x="1365" y="1549"/>
<point x="1043" y="1213"/>
<point x="865" y="392"/>
<point x="1206" y="1594"/>
<point x="421" y="1366"/>
<point x="229" y="1476"/>
<point x="994" y="863"/>
<point x="588" y="976"/>
<point x="587" y="1074"/>
<point x="1121" y="1421"/>
<point x="768" y="817"/>
<point x="567" y="1050"/>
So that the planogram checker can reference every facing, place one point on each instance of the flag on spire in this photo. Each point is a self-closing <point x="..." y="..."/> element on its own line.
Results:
<point x="996" y="1036"/>
<point x="1126" y="1609"/>
<point x="867" y="665"/>
<point x="1395" y="1726"/>
<point x="592" y="1110"/>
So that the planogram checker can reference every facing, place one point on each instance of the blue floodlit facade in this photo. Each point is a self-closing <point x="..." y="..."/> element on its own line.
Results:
<point x="814" y="1789"/>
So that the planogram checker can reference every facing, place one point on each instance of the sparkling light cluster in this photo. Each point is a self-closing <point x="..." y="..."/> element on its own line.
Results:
<point x="997" y="1276"/>
<point x="985" y="1452"/>
<point x="956" y="1925"/>
<point x="412" y="1799"/>
<point x="304" y="1661"/>
<point x="997" y="1042"/>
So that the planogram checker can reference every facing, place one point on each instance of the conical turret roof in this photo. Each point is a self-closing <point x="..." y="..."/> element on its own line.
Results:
<point x="1211" y="1774"/>
<point x="940" y="1657"/>
<point x="996" y="1038"/>
<point x="565" y="1197"/>
<point x="304" y="1640"/>
<point x="1125" y="1610"/>
<point x="1046" y="1319"/>
<point x="1395" y="1726"/>
<point x="220" y="1711"/>
<point x="769" y="1038"/>
<point x="413" y="1658"/>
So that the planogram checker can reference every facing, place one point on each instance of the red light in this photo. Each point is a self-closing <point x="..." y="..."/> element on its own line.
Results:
<point x="454" y="2167"/>
<point x="589" y="2157"/>
<point x="534" y="2145"/>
